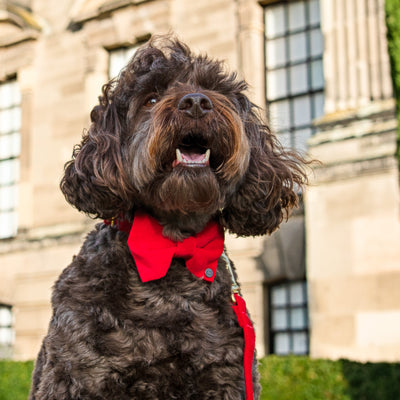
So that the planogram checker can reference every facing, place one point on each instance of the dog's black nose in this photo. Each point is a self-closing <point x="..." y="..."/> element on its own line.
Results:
<point x="196" y="105"/>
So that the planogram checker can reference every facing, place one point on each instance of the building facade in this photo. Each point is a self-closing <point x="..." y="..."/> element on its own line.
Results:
<point x="325" y="284"/>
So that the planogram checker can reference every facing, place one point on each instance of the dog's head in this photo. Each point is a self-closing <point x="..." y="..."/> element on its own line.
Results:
<point x="176" y="135"/>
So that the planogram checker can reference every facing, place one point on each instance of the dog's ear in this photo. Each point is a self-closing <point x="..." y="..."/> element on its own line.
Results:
<point x="95" y="180"/>
<point x="269" y="187"/>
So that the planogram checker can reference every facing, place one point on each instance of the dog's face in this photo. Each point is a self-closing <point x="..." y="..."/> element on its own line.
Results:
<point x="177" y="136"/>
<point x="188" y="147"/>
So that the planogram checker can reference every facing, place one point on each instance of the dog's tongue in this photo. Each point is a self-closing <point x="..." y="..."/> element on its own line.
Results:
<point x="192" y="157"/>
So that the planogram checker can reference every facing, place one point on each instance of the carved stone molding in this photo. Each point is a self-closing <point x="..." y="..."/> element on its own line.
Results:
<point x="92" y="9"/>
<point x="20" y="24"/>
<point x="355" y="143"/>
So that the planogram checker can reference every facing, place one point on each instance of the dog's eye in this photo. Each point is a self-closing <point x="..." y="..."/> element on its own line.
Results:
<point x="151" y="101"/>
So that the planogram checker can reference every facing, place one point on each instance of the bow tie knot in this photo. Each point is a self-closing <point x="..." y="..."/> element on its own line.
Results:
<point x="186" y="248"/>
<point x="153" y="252"/>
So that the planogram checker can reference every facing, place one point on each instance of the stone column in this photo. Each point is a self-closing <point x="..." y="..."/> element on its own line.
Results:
<point x="250" y="47"/>
<point x="356" y="61"/>
<point x="352" y="206"/>
<point x="245" y="252"/>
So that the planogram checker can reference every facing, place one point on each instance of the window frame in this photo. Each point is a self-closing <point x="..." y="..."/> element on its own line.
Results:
<point x="11" y="137"/>
<point x="292" y="132"/>
<point x="125" y="53"/>
<point x="288" y="306"/>
<point x="6" y="348"/>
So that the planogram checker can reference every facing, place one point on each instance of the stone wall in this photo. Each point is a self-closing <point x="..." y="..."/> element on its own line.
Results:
<point x="352" y="206"/>
<point x="59" y="54"/>
<point x="353" y="232"/>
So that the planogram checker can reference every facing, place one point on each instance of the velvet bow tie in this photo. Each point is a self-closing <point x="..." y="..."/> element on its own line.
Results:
<point x="153" y="252"/>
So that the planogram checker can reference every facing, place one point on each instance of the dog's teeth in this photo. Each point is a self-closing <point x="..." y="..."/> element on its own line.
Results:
<point x="179" y="155"/>
<point x="187" y="160"/>
<point x="207" y="156"/>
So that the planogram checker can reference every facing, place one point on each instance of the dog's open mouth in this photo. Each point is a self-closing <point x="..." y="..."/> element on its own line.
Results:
<point x="192" y="157"/>
<point x="193" y="151"/>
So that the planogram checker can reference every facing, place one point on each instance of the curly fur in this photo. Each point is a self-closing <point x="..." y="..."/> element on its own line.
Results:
<point x="112" y="336"/>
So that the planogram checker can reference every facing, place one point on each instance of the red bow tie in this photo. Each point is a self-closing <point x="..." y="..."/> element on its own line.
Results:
<point x="153" y="252"/>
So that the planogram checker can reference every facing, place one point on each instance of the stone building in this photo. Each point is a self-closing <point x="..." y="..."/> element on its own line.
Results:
<point x="326" y="284"/>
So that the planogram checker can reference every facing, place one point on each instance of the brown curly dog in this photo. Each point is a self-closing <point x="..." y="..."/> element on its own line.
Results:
<point x="176" y="148"/>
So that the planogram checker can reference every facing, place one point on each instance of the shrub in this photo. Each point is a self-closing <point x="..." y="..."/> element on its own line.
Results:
<point x="372" y="381"/>
<point x="392" y="8"/>
<point x="15" y="380"/>
<point x="301" y="378"/>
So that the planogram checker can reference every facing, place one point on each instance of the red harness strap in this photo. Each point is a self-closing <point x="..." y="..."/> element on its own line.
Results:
<point x="249" y="343"/>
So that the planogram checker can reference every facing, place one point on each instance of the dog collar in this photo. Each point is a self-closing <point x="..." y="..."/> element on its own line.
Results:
<point x="153" y="252"/>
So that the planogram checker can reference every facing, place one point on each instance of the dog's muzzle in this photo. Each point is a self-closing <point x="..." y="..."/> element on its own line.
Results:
<point x="190" y="153"/>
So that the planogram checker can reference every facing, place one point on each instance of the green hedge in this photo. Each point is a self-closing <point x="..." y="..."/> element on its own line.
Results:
<point x="302" y="378"/>
<point x="282" y="378"/>
<point x="392" y="8"/>
<point x="15" y="380"/>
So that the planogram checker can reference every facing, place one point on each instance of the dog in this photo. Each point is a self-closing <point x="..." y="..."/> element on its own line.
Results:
<point x="176" y="154"/>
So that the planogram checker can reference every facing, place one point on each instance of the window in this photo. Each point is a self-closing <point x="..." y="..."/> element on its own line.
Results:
<point x="288" y="320"/>
<point x="10" y="147"/>
<point x="6" y="331"/>
<point x="118" y="60"/>
<point x="294" y="73"/>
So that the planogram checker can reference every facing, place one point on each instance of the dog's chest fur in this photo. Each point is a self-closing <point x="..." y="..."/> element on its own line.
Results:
<point x="172" y="338"/>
